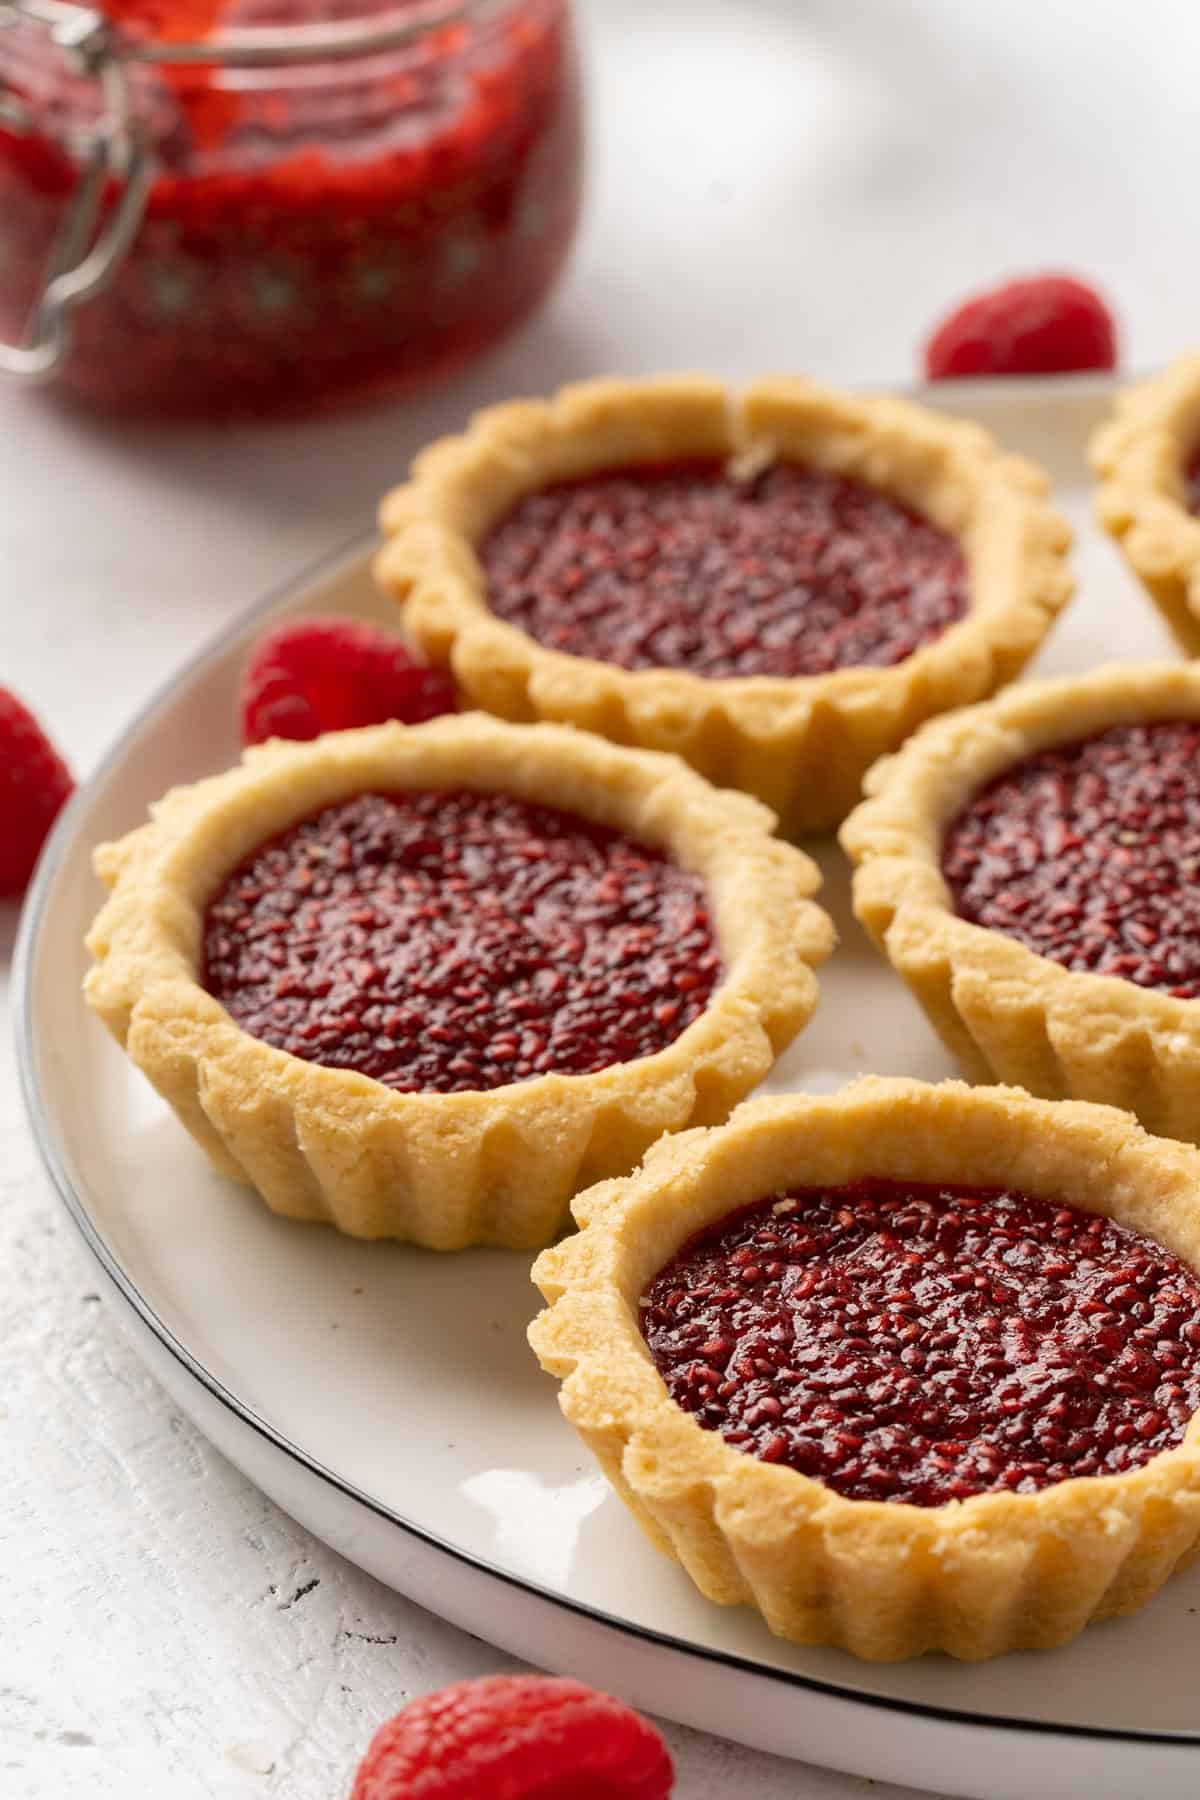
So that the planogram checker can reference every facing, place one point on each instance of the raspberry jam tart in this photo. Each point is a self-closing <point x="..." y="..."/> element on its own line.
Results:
<point x="1029" y="869"/>
<point x="316" y="231"/>
<point x="454" y="941"/>
<point x="424" y="982"/>
<point x="1147" y="458"/>
<point x="908" y="1368"/>
<point x="777" y="585"/>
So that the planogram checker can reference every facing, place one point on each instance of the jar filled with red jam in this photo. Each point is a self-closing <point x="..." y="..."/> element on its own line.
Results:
<point x="243" y="207"/>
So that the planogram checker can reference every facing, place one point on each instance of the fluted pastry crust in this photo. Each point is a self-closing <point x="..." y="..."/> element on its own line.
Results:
<point x="1005" y="1012"/>
<point x="445" y="1170"/>
<point x="801" y="745"/>
<point x="884" y="1580"/>
<point x="1141" y="456"/>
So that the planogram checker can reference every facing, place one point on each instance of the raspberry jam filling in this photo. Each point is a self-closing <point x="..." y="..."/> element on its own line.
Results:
<point x="1088" y="854"/>
<point x="452" y="941"/>
<point x="904" y="1342"/>
<point x="681" y="566"/>
<point x="1191" y="477"/>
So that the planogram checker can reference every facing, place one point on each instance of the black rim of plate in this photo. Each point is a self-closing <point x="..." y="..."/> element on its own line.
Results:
<point x="55" y="1164"/>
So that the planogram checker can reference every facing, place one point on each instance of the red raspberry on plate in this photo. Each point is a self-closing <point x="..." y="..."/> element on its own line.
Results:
<point x="34" y="784"/>
<point x="330" y="674"/>
<point x="515" y="1737"/>
<point x="1045" y="325"/>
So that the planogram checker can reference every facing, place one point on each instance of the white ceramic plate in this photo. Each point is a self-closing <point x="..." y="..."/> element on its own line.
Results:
<point x="386" y="1397"/>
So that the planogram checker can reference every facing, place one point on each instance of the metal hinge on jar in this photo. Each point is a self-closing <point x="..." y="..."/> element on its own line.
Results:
<point x="81" y="262"/>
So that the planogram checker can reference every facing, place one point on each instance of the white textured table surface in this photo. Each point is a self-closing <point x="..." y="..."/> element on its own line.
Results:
<point x="166" y="1631"/>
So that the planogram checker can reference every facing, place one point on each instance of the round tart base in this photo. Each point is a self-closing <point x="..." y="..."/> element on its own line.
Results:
<point x="883" y="1580"/>
<point x="802" y="744"/>
<point x="445" y="1169"/>
<point x="1142" y="457"/>
<point x="1005" y="1012"/>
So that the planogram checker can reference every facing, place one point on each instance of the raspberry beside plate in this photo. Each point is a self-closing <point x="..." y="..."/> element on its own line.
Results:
<point x="515" y="1737"/>
<point x="1042" y="325"/>
<point x="35" y="783"/>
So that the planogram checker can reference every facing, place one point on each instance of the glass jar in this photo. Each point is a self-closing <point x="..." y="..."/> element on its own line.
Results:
<point x="279" y="215"/>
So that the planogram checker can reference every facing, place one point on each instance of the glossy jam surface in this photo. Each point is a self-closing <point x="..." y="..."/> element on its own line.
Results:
<point x="450" y="941"/>
<point x="311" y="237"/>
<point x="1089" y="854"/>
<point x="680" y="566"/>
<point x="902" y="1342"/>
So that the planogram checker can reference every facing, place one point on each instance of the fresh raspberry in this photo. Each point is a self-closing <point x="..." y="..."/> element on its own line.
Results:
<point x="331" y="674"/>
<point x="515" y="1737"/>
<point x="1046" y="325"/>
<point x="34" y="785"/>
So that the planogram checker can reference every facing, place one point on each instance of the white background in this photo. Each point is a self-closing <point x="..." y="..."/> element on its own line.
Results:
<point x="774" y="183"/>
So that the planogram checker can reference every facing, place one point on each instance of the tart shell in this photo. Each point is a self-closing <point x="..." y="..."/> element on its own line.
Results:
<point x="883" y="1580"/>
<point x="801" y="745"/>
<point x="444" y="1170"/>
<point x="1141" y="455"/>
<point x="1005" y="1012"/>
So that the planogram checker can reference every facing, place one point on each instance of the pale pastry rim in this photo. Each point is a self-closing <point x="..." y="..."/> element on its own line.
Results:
<point x="1140" y="455"/>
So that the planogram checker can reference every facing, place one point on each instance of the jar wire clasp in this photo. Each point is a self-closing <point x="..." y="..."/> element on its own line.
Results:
<point x="85" y="254"/>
